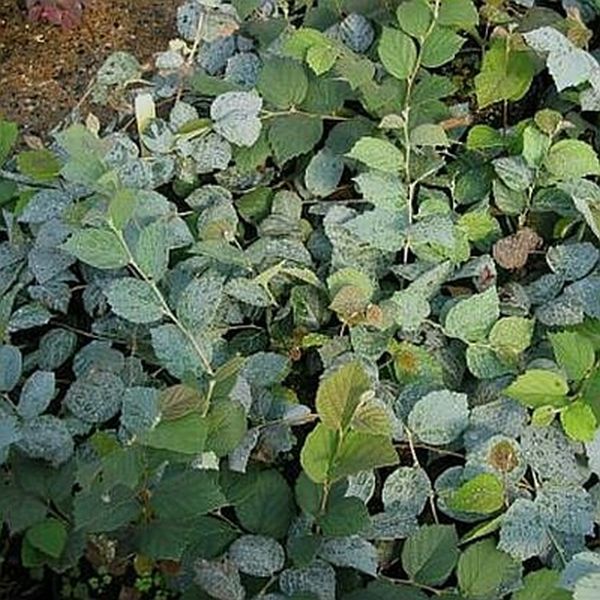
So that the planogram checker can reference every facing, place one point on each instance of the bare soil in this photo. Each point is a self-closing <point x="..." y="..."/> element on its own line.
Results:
<point x="45" y="70"/>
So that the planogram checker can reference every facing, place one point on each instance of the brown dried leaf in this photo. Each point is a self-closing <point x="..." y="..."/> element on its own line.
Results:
<point x="170" y="567"/>
<point x="513" y="251"/>
<point x="374" y="316"/>
<point x="504" y="457"/>
<point x="577" y="32"/>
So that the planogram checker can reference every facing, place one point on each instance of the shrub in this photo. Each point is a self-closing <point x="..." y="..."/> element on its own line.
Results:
<point x="328" y="328"/>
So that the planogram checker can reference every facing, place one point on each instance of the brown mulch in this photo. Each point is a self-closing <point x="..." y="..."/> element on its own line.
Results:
<point x="45" y="70"/>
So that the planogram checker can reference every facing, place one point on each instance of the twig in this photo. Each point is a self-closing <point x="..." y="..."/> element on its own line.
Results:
<point x="421" y="586"/>
<point x="267" y="114"/>
<point x="166" y="309"/>
<point x="191" y="56"/>
<point x="431" y="496"/>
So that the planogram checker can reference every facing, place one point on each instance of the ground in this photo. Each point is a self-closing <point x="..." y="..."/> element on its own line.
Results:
<point x="45" y="70"/>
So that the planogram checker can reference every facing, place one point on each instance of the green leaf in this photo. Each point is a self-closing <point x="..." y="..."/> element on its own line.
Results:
<point x="179" y="400"/>
<point x="514" y="172"/>
<point x="352" y="552"/>
<point x="10" y="432"/>
<point x="97" y="397"/>
<point x="484" y="494"/>
<point x="318" y="453"/>
<point x="219" y="579"/>
<point x="209" y="85"/>
<point x="121" y="207"/>
<point x="574" y="353"/>
<point x="429" y="134"/>
<point x="293" y="135"/>
<point x="415" y="17"/>
<point x="484" y="362"/>
<point x="586" y="197"/>
<point x="535" y="146"/>
<point x="397" y="52"/>
<point x="257" y="555"/>
<point x="41" y="165"/>
<point x="579" y="421"/>
<point x="236" y="118"/>
<point x="358" y="71"/>
<point x="372" y="416"/>
<point x="198" y="304"/>
<point x="482" y="529"/>
<point x="571" y="159"/>
<point x="31" y="558"/>
<point x="378" y="154"/>
<point x="542" y="585"/>
<point x="344" y="516"/>
<point x="506" y="74"/>
<point x="405" y="492"/>
<point x="99" y="248"/>
<point x="430" y="554"/>
<point x="152" y="250"/>
<point x="509" y="201"/>
<point x="362" y="452"/>
<point x="309" y="495"/>
<point x="48" y="536"/>
<point x="186" y="435"/>
<point x="245" y="8"/>
<point x="324" y="172"/>
<point x="316" y="581"/>
<point x="543" y="416"/>
<point x="187" y="495"/>
<point x="226" y="427"/>
<point x="538" y="387"/>
<point x="299" y="41"/>
<point x="215" y="535"/>
<point x="340" y="393"/>
<point x="176" y="352"/>
<point x="283" y="82"/>
<point x="166" y="540"/>
<point x="134" y="300"/>
<point x="439" y="417"/>
<point x="510" y="336"/>
<point x="85" y="149"/>
<point x="122" y="466"/>
<point x="568" y="64"/>
<point x="269" y="507"/>
<point x="385" y="590"/>
<point x="471" y="319"/>
<point x="8" y="136"/>
<point x="440" y="47"/>
<point x="483" y="571"/>
<point x="458" y="13"/>
<point x="586" y="588"/>
<point x="321" y="58"/>
<point x="36" y="394"/>
<point x="327" y="457"/>
<point x="11" y="365"/>
<point x="484" y="136"/>
<point x="20" y="509"/>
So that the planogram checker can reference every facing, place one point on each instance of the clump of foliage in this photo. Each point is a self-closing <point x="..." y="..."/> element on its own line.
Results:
<point x="66" y="13"/>
<point x="328" y="326"/>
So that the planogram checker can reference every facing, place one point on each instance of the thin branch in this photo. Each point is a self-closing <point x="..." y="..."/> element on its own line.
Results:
<point x="421" y="586"/>
<point x="164" y="305"/>
<point x="267" y="114"/>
